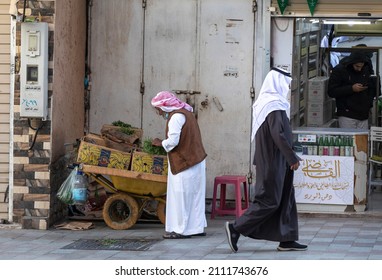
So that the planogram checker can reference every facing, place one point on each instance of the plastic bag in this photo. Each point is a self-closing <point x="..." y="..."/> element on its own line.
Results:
<point x="65" y="192"/>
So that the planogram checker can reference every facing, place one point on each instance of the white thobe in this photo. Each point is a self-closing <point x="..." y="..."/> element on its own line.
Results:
<point x="186" y="191"/>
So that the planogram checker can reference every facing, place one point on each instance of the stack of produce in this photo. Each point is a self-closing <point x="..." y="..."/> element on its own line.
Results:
<point x="120" y="146"/>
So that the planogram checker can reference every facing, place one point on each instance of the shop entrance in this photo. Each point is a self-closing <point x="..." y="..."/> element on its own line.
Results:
<point x="319" y="44"/>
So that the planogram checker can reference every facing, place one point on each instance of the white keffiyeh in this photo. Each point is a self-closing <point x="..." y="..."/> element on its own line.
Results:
<point x="273" y="96"/>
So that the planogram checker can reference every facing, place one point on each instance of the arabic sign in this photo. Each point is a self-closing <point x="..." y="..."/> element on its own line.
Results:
<point x="325" y="180"/>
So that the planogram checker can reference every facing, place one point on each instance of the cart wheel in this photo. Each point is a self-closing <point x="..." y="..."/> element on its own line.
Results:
<point x="120" y="211"/>
<point x="161" y="212"/>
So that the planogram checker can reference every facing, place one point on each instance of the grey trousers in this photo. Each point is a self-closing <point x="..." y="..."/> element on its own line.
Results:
<point x="345" y="122"/>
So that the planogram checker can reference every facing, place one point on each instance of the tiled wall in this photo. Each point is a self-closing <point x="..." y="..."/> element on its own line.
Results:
<point x="32" y="143"/>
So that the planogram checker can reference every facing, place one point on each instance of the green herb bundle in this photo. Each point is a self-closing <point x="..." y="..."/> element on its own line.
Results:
<point x="125" y="127"/>
<point x="153" y="150"/>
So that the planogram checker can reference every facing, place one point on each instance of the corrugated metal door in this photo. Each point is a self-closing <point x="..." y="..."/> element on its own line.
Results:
<point x="115" y="61"/>
<point x="202" y="48"/>
<point x="5" y="27"/>
<point x="226" y="79"/>
<point x="204" y="51"/>
<point x="170" y="54"/>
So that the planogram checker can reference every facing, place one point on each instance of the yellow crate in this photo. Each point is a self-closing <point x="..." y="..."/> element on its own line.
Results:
<point x="93" y="154"/>
<point x="147" y="163"/>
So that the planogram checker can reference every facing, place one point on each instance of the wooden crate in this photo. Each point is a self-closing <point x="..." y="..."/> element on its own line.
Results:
<point x="103" y="141"/>
<point x="147" y="163"/>
<point x="98" y="155"/>
<point x="115" y="134"/>
<point x="94" y="139"/>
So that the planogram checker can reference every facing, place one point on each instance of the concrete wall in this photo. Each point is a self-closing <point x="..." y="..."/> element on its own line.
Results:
<point x="68" y="112"/>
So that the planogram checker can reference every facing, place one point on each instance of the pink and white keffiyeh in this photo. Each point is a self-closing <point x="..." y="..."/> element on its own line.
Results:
<point x="168" y="102"/>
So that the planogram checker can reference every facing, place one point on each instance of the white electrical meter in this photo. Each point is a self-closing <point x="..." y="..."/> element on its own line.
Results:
<point x="34" y="70"/>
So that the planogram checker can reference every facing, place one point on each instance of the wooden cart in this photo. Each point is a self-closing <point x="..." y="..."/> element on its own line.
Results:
<point x="131" y="192"/>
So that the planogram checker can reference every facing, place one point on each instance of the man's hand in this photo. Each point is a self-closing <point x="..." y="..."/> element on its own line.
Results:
<point x="359" y="87"/>
<point x="156" y="142"/>
<point x="295" y="166"/>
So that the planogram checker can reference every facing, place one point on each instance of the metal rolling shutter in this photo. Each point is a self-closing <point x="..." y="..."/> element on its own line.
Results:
<point x="332" y="8"/>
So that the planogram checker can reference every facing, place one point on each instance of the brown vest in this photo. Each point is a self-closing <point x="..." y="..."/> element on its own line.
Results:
<point x="190" y="150"/>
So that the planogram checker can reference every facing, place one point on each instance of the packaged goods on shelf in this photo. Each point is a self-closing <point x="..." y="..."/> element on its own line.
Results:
<point x="317" y="89"/>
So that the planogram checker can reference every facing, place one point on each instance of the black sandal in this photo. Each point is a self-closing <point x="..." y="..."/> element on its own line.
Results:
<point x="174" y="235"/>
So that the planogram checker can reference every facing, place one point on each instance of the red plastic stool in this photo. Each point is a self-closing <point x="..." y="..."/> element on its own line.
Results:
<point x="235" y="180"/>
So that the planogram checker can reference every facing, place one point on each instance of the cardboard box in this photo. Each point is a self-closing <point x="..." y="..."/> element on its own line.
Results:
<point x="318" y="89"/>
<point x="147" y="163"/>
<point x="94" y="139"/>
<point x="115" y="133"/>
<point x="103" y="141"/>
<point x="98" y="155"/>
<point x="320" y="113"/>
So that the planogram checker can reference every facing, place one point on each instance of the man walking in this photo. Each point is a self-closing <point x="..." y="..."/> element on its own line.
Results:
<point x="273" y="213"/>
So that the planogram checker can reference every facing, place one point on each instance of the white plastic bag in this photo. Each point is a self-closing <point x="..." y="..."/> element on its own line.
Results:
<point x="65" y="192"/>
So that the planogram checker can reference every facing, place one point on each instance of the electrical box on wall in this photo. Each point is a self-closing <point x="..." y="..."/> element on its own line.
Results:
<point x="34" y="70"/>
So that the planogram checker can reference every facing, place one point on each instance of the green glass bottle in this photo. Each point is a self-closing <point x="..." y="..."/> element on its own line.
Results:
<point x="321" y="146"/>
<point x="342" y="146"/>
<point x="331" y="146"/>
<point x="347" y="146"/>
<point x="325" y="151"/>
<point x="337" y="146"/>
<point x="351" y="146"/>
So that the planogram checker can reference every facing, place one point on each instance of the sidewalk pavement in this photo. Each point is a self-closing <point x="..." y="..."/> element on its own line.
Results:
<point x="329" y="237"/>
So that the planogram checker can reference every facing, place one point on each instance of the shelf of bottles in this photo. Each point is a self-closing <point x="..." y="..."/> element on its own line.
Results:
<point x="335" y="158"/>
<point x="324" y="145"/>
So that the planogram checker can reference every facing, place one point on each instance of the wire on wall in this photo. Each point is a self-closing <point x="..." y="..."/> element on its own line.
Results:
<point x="37" y="129"/>
<point x="24" y="8"/>
<point x="278" y="27"/>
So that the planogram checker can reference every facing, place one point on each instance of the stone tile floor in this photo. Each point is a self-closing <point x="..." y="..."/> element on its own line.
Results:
<point x="342" y="245"/>
<point x="329" y="236"/>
